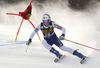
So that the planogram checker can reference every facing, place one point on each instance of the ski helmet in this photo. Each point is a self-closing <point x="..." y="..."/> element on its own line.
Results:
<point x="46" y="18"/>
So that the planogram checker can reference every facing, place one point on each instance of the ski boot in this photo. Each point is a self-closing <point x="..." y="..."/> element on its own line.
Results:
<point x="83" y="59"/>
<point x="79" y="54"/>
<point x="56" y="52"/>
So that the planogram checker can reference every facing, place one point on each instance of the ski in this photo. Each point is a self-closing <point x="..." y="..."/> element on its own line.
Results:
<point x="83" y="60"/>
<point x="58" y="59"/>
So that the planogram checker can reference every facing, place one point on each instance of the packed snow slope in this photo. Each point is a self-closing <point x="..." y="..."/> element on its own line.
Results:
<point x="13" y="54"/>
<point x="81" y="26"/>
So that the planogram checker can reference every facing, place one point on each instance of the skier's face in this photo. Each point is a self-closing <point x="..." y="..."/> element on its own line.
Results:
<point x="46" y="24"/>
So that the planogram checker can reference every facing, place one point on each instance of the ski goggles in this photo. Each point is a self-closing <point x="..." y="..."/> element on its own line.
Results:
<point x="46" y="21"/>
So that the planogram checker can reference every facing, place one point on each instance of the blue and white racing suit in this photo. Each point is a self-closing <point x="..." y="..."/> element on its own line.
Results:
<point x="50" y="37"/>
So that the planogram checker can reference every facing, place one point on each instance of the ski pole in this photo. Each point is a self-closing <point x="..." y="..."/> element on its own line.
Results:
<point x="19" y="29"/>
<point x="27" y="48"/>
<point x="31" y="1"/>
<point x="12" y="14"/>
<point x="34" y="28"/>
<point x="82" y="45"/>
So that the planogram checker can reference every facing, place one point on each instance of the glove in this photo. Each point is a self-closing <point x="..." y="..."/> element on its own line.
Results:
<point x="62" y="37"/>
<point x="28" y="42"/>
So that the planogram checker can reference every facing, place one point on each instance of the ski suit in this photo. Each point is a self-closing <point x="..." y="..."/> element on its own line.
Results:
<point x="50" y="36"/>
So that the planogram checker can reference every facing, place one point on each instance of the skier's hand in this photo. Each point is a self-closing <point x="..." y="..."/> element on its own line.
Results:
<point x="28" y="42"/>
<point x="62" y="37"/>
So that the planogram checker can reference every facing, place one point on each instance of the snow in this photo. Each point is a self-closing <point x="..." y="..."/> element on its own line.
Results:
<point x="15" y="55"/>
<point x="81" y="26"/>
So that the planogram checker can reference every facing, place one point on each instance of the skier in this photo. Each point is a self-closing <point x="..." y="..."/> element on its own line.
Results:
<point x="47" y="27"/>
